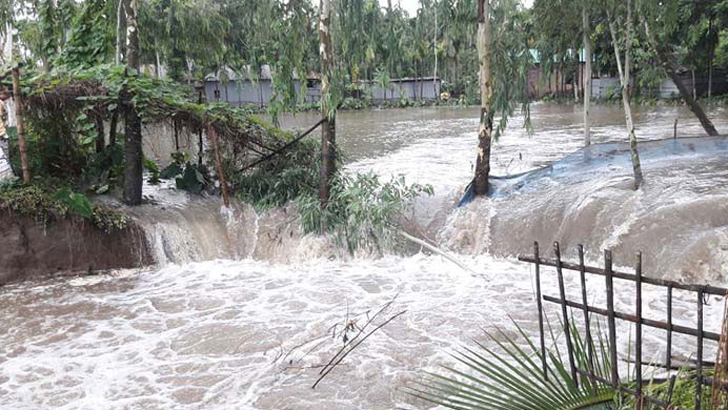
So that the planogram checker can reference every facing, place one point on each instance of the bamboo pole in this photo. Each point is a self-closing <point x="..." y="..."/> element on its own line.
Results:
<point x="565" y="315"/>
<point x="708" y="290"/>
<point x="17" y="94"/>
<point x="668" y="349"/>
<point x="587" y="326"/>
<point x="638" y="330"/>
<point x="684" y="330"/>
<point x="610" y="318"/>
<point x="699" y="372"/>
<point x="539" y="304"/>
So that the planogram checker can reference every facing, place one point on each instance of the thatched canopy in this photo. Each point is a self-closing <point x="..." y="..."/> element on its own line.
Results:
<point x="101" y="90"/>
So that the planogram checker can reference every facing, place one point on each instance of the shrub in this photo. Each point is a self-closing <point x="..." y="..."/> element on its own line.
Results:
<point x="362" y="212"/>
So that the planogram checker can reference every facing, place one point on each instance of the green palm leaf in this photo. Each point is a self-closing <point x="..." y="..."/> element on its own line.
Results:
<point x="506" y="375"/>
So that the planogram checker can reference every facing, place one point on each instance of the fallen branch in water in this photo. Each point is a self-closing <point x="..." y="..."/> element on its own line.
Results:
<point x="434" y="249"/>
<point x="329" y="367"/>
<point x="347" y="343"/>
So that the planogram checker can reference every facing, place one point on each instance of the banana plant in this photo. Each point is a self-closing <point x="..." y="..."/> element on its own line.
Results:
<point x="512" y="377"/>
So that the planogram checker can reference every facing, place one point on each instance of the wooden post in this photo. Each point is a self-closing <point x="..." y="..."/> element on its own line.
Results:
<point x="218" y="161"/>
<point x="668" y="349"/>
<point x="674" y="130"/>
<point x="564" y="313"/>
<point x="638" y="330"/>
<point x="18" y="95"/>
<point x="176" y="135"/>
<point x="587" y="326"/>
<point x="539" y="304"/>
<point x="699" y="381"/>
<point x="614" y="364"/>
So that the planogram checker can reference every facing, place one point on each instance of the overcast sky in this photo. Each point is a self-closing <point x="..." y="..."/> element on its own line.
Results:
<point x="412" y="5"/>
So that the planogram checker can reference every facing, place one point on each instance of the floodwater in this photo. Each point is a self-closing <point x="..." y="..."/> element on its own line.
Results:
<point x="242" y="311"/>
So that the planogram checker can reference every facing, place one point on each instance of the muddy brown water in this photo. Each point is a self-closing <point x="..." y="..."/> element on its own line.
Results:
<point x="242" y="309"/>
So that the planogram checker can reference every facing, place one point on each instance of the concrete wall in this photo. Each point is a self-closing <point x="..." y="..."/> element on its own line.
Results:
<point x="260" y="92"/>
<point x="605" y="86"/>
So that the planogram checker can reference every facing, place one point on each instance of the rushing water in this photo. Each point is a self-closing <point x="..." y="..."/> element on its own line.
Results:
<point x="243" y="309"/>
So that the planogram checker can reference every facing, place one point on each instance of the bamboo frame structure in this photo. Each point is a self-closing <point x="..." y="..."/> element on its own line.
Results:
<point x="612" y="315"/>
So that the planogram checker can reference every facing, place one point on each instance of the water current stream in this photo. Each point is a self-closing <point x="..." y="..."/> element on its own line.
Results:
<point x="241" y="311"/>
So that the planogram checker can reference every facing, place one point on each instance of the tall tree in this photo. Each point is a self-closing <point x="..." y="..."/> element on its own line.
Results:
<point x="485" y="129"/>
<point x="133" y="128"/>
<point x="504" y="61"/>
<point x="624" y="78"/>
<point x="328" y="107"/>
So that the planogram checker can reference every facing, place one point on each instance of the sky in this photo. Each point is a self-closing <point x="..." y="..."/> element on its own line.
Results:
<point x="412" y="5"/>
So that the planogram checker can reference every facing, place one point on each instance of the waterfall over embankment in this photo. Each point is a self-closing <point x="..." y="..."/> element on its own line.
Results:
<point x="182" y="228"/>
<point x="678" y="218"/>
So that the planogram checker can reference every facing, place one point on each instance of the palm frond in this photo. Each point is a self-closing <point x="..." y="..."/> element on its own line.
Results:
<point x="502" y="374"/>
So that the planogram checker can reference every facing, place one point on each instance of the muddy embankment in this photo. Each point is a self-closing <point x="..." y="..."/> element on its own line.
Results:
<point x="29" y="249"/>
<point x="191" y="229"/>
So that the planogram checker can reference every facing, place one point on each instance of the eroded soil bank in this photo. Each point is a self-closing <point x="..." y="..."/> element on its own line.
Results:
<point x="69" y="245"/>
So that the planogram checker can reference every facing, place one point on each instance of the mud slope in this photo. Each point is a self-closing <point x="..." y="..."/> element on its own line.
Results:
<point x="29" y="250"/>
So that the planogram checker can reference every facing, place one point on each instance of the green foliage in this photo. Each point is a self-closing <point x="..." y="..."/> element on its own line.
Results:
<point x="77" y="203"/>
<point x="90" y="40"/>
<point x="362" y="211"/>
<point x="188" y="176"/>
<point x="683" y="393"/>
<point x="281" y="179"/>
<point x="45" y="203"/>
<point x="195" y="178"/>
<point x="30" y="201"/>
<point x="511" y="377"/>
<point x="109" y="220"/>
<point x="510" y="64"/>
<point x="153" y="169"/>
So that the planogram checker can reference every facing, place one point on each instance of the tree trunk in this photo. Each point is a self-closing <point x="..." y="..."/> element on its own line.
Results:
<point x="328" y="112"/>
<point x="120" y="17"/>
<point x="20" y="124"/>
<point x="434" y="49"/>
<point x="587" y="75"/>
<point x="133" y="128"/>
<point x="711" y="52"/>
<point x="624" y="77"/>
<point x="671" y="69"/>
<point x="212" y="134"/>
<point x="485" y="130"/>
<point x="112" y="127"/>
<point x="100" y="136"/>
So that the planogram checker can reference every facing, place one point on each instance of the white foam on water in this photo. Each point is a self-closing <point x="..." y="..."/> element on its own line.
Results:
<point x="243" y="334"/>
